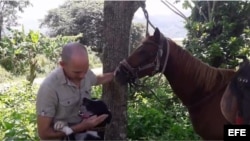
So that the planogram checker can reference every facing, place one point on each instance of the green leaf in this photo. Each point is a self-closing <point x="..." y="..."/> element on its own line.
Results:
<point x="34" y="36"/>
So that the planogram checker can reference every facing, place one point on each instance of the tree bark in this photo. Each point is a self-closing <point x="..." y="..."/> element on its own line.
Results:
<point x="1" y="26"/>
<point x="118" y="17"/>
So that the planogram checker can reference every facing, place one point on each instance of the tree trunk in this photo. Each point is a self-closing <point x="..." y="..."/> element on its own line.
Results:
<point x="118" y="17"/>
<point x="1" y="26"/>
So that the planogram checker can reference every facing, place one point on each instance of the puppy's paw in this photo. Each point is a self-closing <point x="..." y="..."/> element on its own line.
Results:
<point x="58" y="126"/>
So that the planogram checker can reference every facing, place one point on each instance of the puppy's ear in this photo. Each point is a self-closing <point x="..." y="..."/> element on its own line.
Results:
<point x="85" y="101"/>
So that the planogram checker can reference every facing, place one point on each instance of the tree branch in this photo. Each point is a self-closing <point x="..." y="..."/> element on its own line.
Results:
<point x="209" y="10"/>
<point x="174" y="9"/>
<point x="213" y="10"/>
<point x="200" y="10"/>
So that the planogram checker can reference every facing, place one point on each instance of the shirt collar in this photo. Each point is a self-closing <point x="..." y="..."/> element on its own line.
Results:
<point x="62" y="78"/>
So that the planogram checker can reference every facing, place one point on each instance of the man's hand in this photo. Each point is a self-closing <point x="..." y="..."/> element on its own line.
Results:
<point x="58" y="126"/>
<point x="63" y="127"/>
<point x="104" y="78"/>
<point x="93" y="121"/>
<point x="88" y="124"/>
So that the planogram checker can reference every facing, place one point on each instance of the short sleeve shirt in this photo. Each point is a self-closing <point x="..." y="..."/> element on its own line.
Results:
<point x="60" y="99"/>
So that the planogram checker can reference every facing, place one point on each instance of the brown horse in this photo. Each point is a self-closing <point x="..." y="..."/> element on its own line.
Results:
<point x="199" y="86"/>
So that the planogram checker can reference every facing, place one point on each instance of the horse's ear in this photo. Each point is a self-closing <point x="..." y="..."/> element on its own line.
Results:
<point x="157" y="35"/>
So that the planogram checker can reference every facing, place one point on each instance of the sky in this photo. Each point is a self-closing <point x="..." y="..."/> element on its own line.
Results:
<point x="156" y="9"/>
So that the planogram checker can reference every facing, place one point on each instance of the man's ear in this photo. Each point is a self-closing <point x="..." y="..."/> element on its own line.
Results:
<point x="62" y="64"/>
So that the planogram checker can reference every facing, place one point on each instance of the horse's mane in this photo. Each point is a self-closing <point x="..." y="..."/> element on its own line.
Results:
<point x="204" y="75"/>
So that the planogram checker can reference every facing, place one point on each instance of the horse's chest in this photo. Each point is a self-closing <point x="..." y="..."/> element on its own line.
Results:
<point x="208" y="121"/>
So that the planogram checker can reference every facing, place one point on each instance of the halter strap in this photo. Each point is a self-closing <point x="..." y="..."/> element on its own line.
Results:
<point x="156" y="62"/>
<point x="165" y="61"/>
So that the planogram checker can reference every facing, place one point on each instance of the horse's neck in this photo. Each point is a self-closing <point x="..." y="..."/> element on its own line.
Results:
<point x="189" y="77"/>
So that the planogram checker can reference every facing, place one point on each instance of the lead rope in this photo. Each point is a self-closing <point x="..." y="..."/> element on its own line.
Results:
<point x="143" y="6"/>
<point x="148" y="22"/>
<point x="147" y="34"/>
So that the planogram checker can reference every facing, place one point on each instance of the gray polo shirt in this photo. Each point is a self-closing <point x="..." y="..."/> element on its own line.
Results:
<point x="60" y="99"/>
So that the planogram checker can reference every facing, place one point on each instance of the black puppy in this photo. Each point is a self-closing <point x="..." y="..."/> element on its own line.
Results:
<point x="88" y="108"/>
<point x="92" y="107"/>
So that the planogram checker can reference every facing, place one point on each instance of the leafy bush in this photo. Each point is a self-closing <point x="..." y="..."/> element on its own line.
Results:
<point x="94" y="60"/>
<point x="146" y="122"/>
<point x="19" y="52"/>
<point x="97" y="91"/>
<point x="5" y="75"/>
<point x="155" y="113"/>
<point x="17" y="117"/>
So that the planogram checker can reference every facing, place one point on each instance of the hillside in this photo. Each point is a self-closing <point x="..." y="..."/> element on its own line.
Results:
<point x="171" y="26"/>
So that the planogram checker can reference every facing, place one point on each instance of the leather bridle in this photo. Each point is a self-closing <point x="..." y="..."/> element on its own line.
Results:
<point x="132" y="72"/>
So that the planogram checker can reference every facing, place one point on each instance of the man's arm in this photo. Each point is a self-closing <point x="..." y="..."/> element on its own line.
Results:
<point x="45" y="130"/>
<point x="89" y="123"/>
<point x="46" y="103"/>
<point x="104" y="78"/>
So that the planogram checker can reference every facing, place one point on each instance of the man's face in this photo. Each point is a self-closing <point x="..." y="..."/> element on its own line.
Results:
<point x="76" y="68"/>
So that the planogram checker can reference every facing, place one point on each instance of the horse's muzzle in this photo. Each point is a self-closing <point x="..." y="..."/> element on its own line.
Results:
<point x="123" y="76"/>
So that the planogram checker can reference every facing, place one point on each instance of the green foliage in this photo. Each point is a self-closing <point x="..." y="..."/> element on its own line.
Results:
<point x="86" y="17"/>
<point x="95" y="61"/>
<point x="74" y="17"/>
<point x="217" y="31"/>
<point x="149" y="122"/>
<point x="18" y="117"/>
<point x="136" y="36"/>
<point x="19" y="52"/>
<point x="146" y="122"/>
<point x="5" y="75"/>
<point x="8" y="12"/>
<point x="52" y="47"/>
<point x="155" y="113"/>
<point x="97" y="91"/>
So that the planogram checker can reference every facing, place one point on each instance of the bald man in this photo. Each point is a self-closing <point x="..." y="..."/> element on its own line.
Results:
<point x="60" y="95"/>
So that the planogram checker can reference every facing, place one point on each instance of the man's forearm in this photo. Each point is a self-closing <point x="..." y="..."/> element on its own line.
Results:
<point x="78" y="128"/>
<point x="105" y="78"/>
<point x="51" y="135"/>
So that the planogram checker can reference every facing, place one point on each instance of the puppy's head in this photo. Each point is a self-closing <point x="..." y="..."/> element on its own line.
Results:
<point x="97" y="107"/>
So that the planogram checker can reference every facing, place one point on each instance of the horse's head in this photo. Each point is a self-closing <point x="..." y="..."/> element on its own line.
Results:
<point x="145" y="60"/>
<point x="238" y="96"/>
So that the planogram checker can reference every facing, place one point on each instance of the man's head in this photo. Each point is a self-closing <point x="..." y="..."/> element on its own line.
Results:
<point x="74" y="61"/>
